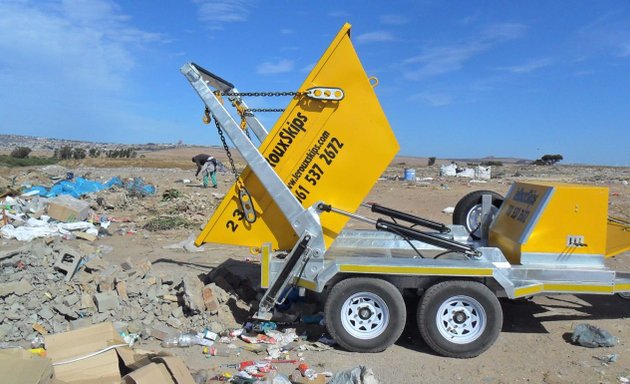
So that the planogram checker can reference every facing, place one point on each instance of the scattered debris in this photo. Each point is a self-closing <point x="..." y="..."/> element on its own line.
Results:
<point x="187" y="245"/>
<point x="171" y="194"/>
<point x="163" y="223"/>
<point x="607" y="359"/>
<point x="357" y="375"/>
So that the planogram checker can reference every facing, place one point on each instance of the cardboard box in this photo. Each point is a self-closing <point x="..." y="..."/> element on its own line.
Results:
<point x="99" y="369"/>
<point x="22" y="367"/>
<point x="68" y="209"/>
<point x="155" y="369"/>
<point x="176" y="367"/>
<point x="152" y="373"/>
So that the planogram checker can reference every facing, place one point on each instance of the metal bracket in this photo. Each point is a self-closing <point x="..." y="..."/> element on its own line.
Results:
<point x="486" y="216"/>
<point x="325" y="93"/>
<point x="295" y="261"/>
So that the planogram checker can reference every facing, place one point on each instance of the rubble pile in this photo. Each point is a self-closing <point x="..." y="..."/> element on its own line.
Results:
<point x="49" y="287"/>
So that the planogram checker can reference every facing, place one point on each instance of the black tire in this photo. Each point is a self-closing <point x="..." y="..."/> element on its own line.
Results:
<point x="471" y="202"/>
<point x="383" y="309"/>
<point x="624" y="295"/>
<point x="478" y="315"/>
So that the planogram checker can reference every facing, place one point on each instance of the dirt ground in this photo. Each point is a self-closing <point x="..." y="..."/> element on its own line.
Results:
<point x="534" y="345"/>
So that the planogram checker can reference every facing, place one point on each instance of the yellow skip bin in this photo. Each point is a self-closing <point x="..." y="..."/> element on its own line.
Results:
<point x="330" y="150"/>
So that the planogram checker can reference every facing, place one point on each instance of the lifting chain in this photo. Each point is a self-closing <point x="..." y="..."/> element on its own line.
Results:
<point x="266" y="94"/>
<point x="247" y="205"/>
<point x="263" y="94"/>
<point x="254" y="110"/>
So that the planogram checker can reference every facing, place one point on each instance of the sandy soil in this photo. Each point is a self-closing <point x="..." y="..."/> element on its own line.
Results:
<point x="534" y="344"/>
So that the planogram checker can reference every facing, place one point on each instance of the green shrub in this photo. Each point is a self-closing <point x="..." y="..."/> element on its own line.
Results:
<point x="10" y="161"/>
<point x="20" y="152"/>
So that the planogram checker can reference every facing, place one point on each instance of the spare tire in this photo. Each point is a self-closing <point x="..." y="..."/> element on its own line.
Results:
<point x="468" y="211"/>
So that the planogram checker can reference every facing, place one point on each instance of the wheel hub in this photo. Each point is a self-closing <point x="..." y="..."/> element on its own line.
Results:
<point x="365" y="315"/>
<point x="459" y="316"/>
<point x="461" y="319"/>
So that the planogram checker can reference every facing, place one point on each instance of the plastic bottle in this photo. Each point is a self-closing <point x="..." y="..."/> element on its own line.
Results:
<point x="306" y="371"/>
<point x="218" y="351"/>
<point x="185" y="340"/>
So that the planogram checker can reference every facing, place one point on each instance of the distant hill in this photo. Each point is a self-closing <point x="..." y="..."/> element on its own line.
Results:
<point x="504" y="160"/>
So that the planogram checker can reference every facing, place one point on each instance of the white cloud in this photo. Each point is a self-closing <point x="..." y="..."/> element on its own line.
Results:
<point x="273" y="68"/>
<point x="87" y="43"/>
<point x="224" y="11"/>
<point x="66" y="65"/>
<point x="439" y="60"/>
<point x="394" y="19"/>
<point x="528" y="67"/>
<point x="287" y="31"/>
<point x="375" y="37"/>
<point x="432" y="99"/>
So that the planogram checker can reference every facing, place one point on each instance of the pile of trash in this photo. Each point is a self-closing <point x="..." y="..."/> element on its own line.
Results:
<point x="102" y="354"/>
<point x="48" y="289"/>
<point x="66" y="209"/>
<point x="478" y="172"/>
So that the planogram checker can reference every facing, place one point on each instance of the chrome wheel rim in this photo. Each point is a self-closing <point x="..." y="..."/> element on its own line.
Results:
<point x="365" y="315"/>
<point x="461" y="319"/>
<point x="473" y="218"/>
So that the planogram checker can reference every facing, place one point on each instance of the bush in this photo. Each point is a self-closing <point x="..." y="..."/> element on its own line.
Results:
<point x="431" y="161"/>
<point x="11" y="161"/>
<point x="548" y="160"/>
<point x="64" y="153"/>
<point x="78" y="153"/>
<point x="20" y="152"/>
<point x="494" y="163"/>
<point x="163" y="223"/>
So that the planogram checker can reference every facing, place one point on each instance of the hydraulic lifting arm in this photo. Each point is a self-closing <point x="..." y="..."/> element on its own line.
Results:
<point x="315" y="152"/>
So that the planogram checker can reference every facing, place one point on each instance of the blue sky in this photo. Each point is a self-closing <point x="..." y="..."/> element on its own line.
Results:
<point x="456" y="78"/>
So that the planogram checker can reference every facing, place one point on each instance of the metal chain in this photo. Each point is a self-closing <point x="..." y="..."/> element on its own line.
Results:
<point x="227" y="150"/>
<point x="257" y="94"/>
<point x="253" y="110"/>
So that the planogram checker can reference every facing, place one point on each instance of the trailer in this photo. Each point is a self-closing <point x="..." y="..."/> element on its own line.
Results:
<point x="310" y="173"/>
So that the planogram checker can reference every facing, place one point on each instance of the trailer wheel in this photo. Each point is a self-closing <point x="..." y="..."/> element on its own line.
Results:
<point x="365" y="314"/>
<point x="467" y="212"/>
<point x="624" y="295"/>
<point x="459" y="318"/>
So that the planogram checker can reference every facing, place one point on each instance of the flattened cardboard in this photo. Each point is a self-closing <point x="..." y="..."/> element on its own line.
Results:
<point x="177" y="368"/>
<point x="149" y="374"/>
<point x="23" y="368"/>
<point x="99" y="369"/>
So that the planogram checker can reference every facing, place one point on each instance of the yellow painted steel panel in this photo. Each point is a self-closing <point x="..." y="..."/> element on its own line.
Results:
<point x="527" y="291"/>
<point x="332" y="151"/>
<point x="416" y="270"/>
<point x="551" y="218"/>
<point x="264" y="265"/>
<point x="578" y="288"/>
<point x="618" y="239"/>
<point x="307" y="284"/>
<point x="518" y="214"/>
<point x="574" y="210"/>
